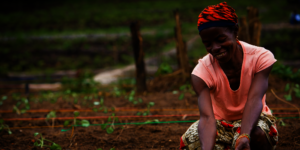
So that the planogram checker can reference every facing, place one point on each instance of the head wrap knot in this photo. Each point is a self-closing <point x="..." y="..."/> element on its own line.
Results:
<point x="217" y="15"/>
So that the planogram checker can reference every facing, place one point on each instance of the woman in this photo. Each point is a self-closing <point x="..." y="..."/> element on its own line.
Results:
<point x="231" y="82"/>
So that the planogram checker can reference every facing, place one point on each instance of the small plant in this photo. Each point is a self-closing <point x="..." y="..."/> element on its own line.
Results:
<point x="4" y="126"/>
<point x="51" y="115"/>
<point x="84" y="123"/>
<point x="22" y="110"/>
<point x="2" y="99"/>
<point x="185" y="88"/>
<point x="292" y="88"/>
<point x="75" y="98"/>
<point x="111" y="119"/>
<point x="41" y="142"/>
<point x="181" y="96"/>
<point x="99" y="105"/>
<point x="281" y="123"/>
<point x="117" y="92"/>
<point x="18" y="107"/>
<point x="164" y="68"/>
<point x="151" y="121"/>
<point x="132" y="99"/>
<point x="145" y="113"/>
<point x="286" y="72"/>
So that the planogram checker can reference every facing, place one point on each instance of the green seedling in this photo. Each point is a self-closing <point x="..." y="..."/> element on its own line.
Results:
<point x="51" y="115"/>
<point x="68" y="91"/>
<point x="145" y="113"/>
<point x="99" y="105"/>
<point x="4" y="126"/>
<point x="140" y="100"/>
<point x="181" y="96"/>
<point x="84" y="123"/>
<point x="111" y="119"/>
<point x="96" y="103"/>
<point x="117" y="92"/>
<point x="22" y="110"/>
<point x="131" y="96"/>
<point x="187" y="88"/>
<point x="18" y="111"/>
<point x="150" y="104"/>
<point x="151" y="121"/>
<point x="286" y="72"/>
<point x="132" y="99"/>
<point x="292" y="88"/>
<point x="41" y="142"/>
<point x="75" y="97"/>
<point x="2" y="99"/>
<point x="175" y="92"/>
<point x="164" y="68"/>
<point x="281" y="123"/>
<point x="75" y="101"/>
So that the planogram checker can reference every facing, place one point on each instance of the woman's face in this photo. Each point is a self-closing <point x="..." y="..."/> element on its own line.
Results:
<point x="219" y="42"/>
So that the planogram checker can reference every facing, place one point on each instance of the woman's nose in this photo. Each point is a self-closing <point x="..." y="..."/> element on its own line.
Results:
<point x="215" y="47"/>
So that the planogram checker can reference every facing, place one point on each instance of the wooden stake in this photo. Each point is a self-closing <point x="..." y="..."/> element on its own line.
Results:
<point x="181" y="47"/>
<point x="254" y="25"/>
<point x="137" y="42"/>
<point x="244" y="30"/>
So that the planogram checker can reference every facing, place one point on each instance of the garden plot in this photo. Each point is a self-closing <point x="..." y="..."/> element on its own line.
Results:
<point x="119" y="118"/>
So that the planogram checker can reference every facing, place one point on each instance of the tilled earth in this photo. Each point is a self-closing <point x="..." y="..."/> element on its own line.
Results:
<point x="147" y="136"/>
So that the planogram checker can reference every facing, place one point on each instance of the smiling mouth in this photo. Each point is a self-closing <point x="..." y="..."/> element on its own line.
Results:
<point x="221" y="55"/>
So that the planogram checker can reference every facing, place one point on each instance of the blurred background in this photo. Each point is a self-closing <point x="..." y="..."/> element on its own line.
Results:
<point x="62" y="57"/>
<point x="46" y="41"/>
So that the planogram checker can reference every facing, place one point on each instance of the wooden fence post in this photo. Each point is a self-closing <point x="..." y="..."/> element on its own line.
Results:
<point x="254" y="25"/>
<point x="244" y="30"/>
<point x="137" y="42"/>
<point x="181" y="47"/>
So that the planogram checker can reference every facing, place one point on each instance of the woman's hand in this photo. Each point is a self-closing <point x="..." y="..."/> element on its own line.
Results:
<point x="242" y="144"/>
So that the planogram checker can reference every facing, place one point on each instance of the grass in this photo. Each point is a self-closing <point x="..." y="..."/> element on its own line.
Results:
<point x="59" y="54"/>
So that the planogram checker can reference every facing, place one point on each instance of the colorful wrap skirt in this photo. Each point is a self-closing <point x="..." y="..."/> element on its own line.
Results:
<point x="227" y="133"/>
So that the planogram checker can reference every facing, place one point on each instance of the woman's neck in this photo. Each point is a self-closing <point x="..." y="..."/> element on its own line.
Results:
<point x="236" y="62"/>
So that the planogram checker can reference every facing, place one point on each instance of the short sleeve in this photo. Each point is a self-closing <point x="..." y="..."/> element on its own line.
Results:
<point x="202" y="72"/>
<point x="264" y="60"/>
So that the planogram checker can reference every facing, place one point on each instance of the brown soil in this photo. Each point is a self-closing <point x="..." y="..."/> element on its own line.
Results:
<point x="151" y="136"/>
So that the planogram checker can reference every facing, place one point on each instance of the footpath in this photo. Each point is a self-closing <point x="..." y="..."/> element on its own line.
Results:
<point x="110" y="76"/>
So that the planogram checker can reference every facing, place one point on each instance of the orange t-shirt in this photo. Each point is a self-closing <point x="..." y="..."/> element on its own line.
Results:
<point x="228" y="104"/>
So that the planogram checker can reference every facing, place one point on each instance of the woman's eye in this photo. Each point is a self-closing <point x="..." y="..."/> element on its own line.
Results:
<point x="221" y="39"/>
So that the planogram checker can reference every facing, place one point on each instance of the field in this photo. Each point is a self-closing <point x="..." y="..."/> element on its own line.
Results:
<point x="152" y="120"/>
<point x="41" y="38"/>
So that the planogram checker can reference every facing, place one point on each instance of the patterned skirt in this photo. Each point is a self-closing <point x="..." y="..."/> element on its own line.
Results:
<point x="227" y="133"/>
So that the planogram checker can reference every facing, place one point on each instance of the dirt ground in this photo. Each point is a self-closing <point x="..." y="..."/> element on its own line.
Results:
<point x="150" y="136"/>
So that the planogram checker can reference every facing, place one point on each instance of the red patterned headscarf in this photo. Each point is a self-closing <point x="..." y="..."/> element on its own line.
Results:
<point x="219" y="15"/>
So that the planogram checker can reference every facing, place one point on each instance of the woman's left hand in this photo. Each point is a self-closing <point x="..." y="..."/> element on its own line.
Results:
<point x="242" y="144"/>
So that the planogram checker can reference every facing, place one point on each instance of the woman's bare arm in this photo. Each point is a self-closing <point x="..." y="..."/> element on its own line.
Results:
<point x="207" y="123"/>
<point x="254" y="106"/>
